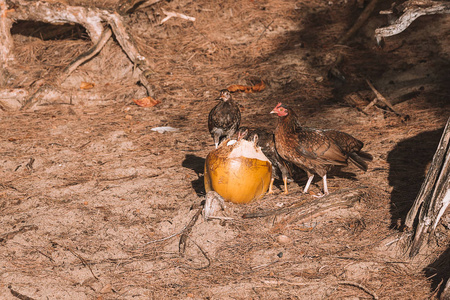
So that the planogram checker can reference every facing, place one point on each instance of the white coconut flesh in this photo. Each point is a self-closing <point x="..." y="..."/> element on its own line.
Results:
<point x="244" y="148"/>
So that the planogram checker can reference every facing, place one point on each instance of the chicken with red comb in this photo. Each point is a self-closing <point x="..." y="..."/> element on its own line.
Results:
<point x="315" y="150"/>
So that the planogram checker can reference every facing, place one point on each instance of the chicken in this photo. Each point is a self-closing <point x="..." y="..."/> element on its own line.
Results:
<point x="315" y="150"/>
<point x="224" y="118"/>
<point x="265" y="140"/>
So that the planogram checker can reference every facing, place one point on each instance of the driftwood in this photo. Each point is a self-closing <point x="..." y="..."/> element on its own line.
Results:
<point x="310" y="209"/>
<point x="411" y="11"/>
<point x="434" y="195"/>
<point x="92" y="19"/>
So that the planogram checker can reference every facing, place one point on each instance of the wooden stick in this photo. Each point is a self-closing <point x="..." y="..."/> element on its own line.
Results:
<point x="382" y="99"/>
<point x="359" y="22"/>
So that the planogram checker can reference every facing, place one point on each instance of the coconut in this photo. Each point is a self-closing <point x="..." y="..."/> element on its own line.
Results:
<point x="238" y="171"/>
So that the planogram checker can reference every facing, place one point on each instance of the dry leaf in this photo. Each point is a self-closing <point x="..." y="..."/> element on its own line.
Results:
<point x="86" y="85"/>
<point x="146" y="102"/>
<point x="247" y="89"/>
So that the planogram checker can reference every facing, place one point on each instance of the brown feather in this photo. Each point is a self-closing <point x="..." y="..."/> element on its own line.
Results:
<point x="314" y="150"/>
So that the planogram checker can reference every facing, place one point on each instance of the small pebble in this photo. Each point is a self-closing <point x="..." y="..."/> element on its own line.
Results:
<point x="282" y="239"/>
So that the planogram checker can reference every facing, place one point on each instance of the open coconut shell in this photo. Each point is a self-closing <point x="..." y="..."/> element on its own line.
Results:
<point x="240" y="172"/>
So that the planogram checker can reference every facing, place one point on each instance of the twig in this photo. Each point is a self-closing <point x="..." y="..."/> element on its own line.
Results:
<point x="171" y="14"/>
<point x="166" y="238"/>
<point x="187" y="230"/>
<point x="359" y="22"/>
<point x="205" y="255"/>
<point x="374" y="296"/>
<point x="382" y="98"/>
<point x="83" y="261"/>
<point x="265" y="29"/>
<point x="18" y="295"/>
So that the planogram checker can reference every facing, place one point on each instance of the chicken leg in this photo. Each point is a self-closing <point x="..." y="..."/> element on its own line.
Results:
<point x="308" y="183"/>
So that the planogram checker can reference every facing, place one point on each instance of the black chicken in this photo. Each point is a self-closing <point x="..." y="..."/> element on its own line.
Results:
<point x="224" y="118"/>
<point x="265" y="140"/>
<point x="314" y="150"/>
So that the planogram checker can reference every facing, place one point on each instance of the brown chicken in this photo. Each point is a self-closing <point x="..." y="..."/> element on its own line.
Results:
<point x="314" y="150"/>
<point x="265" y="140"/>
<point x="224" y="118"/>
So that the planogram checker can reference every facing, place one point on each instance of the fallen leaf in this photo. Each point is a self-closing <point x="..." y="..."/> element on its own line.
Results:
<point x="247" y="89"/>
<point x="87" y="85"/>
<point x="146" y="102"/>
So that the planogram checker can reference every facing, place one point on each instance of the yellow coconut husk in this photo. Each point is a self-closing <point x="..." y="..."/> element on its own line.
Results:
<point x="239" y="172"/>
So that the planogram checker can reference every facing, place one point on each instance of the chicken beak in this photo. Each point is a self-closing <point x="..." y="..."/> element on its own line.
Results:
<point x="274" y="111"/>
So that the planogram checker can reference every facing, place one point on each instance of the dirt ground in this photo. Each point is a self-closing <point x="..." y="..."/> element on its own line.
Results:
<point x="92" y="201"/>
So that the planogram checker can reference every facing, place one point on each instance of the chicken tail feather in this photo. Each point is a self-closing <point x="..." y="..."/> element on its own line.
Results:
<point x="359" y="160"/>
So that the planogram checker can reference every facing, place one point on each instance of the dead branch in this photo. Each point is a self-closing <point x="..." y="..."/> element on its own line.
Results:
<point x="310" y="209"/>
<point x="90" y="18"/>
<point x="413" y="10"/>
<point x="434" y="195"/>
<point x="381" y="98"/>
<point x="187" y="231"/>
<point x="359" y="22"/>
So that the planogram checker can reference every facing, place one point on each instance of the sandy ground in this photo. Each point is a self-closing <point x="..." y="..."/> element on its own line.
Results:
<point x="93" y="202"/>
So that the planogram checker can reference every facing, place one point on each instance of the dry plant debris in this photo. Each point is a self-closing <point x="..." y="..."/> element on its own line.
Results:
<point x="88" y="190"/>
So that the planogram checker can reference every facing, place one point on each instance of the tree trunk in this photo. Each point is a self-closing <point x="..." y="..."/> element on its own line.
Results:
<point x="434" y="195"/>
